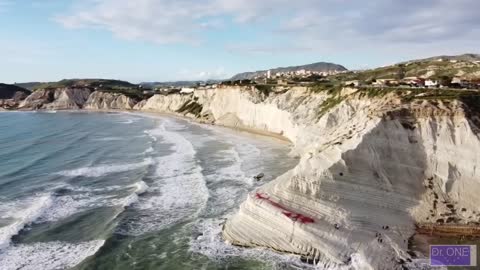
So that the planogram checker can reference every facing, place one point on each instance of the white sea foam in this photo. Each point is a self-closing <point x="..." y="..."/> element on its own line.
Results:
<point x="97" y="171"/>
<point x="21" y="213"/>
<point x="180" y="191"/>
<point x="47" y="256"/>
<point x="129" y="121"/>
<point x="140" y="187"/>
<point x="149" y="133"/>
<point x="149" y="150"/>
<point x="65" y="206"/>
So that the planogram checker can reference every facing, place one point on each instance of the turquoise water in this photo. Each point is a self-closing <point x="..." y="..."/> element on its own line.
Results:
<point x="126" y="191"/>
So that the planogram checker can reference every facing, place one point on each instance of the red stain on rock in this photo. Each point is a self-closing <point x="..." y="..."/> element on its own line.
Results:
<point x="292" y="215"/>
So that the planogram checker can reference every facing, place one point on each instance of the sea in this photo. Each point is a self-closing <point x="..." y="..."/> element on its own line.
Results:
<point x="89" y="190"/>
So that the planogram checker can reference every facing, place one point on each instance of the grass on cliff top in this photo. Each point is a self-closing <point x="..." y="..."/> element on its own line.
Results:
<point x="470" y="98"/>
<point x="413" y="69"/>
<point x="333" y="89"/>
<point x="114" y="84"/>
<point x="101" y="85"/>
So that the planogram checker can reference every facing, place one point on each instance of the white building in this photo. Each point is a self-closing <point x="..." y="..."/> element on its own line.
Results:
<point x="269" y="74"/>
<point x="430" y="83"/>
<point x="187" y="90"/>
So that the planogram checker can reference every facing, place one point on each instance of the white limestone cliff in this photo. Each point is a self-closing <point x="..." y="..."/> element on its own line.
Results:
<point x="56" y="99"/>
<point x="76" y="98"/>
<point x="109" y="101"/>
<point x="370" y="169"/>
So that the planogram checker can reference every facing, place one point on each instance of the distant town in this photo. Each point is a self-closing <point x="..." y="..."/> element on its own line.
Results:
<point x="308" y="78"/>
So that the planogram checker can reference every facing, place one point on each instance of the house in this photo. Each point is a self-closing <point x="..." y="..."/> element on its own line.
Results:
<point x="354" y="83"/>
<point x="459" y="82"/>
<point x="187" y="90"/>
<point x="431" y="83"/>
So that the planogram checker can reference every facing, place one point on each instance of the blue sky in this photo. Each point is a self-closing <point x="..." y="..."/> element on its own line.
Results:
<point x="159" y="40"/>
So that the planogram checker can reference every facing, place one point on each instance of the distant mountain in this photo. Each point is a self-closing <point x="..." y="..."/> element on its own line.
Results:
<point x="8" y="91"/>
<point x="317" y="67"/>
<point x="176" y="83"/>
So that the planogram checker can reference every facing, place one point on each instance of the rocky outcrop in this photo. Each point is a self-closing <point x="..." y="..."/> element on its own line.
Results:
<point x="370" y="169"/>
<point x="56" y="99"/>
<point x="109" y="101"/>
<point x="11" y="96"/>
<point x="76" y="98"/>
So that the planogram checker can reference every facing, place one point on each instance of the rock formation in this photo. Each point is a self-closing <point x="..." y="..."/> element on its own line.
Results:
<point x="11" y="96"/>
<point x="56" y="99"/>
<point x="367" y="164"/>
<point x="109" y="101"/>
<point x="76" y="98"/>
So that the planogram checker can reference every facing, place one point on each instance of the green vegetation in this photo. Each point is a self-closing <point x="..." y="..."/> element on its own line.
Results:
<point x="331" y="87"/>
<point x="191" y="107"/>
<point x="265" y="89"/>
<point x="101" y="85"/>
<point x="93" y="83"/>
<point x="435" y="69"/>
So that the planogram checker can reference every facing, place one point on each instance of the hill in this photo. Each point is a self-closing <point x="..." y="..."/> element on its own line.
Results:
<point x="465" y="66"/>
<point x="468" y="57"/>
<point x="8" y="91"/>
<point x="29" y="85"/>
<point x="315" y="67"/>
<point x="177" y="83"/>
<point x="103" y="83"/>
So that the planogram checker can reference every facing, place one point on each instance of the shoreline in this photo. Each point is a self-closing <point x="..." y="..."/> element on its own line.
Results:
<point x="252" y="131"/>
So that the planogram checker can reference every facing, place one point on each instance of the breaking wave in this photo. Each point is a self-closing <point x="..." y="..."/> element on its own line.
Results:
<point x="48" y="256"/>
<point x="20" y="214"/>
<point x="102" y="170"/>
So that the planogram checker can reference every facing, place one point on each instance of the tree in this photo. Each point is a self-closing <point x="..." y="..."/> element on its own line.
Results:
<point x="445" y="81"/>
<point x="401" y="72"/>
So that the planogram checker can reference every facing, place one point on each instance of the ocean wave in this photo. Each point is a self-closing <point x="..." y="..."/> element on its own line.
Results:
<point x="21" y="213"/>
<point x="149" y="150"/>
<point x="48" y="256"/>
<point x="180" y="191"/>
<point x="65" y="206"/>
<point x="97" y="171"/>
<point x="139" y="188"/>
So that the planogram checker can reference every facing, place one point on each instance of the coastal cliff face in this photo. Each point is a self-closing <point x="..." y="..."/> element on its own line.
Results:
<point x="370" y="169"/>
<point x="76" y="98"/>
<point x="109" y="101"/>
<point x="56" y="99"/>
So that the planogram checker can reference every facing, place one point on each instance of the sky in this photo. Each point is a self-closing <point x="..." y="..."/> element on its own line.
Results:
<point x="164" y="40"/>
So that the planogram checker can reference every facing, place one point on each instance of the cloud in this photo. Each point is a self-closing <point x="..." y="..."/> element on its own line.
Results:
<point x="322" y="25"/>
<point x="217" y="74"/>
